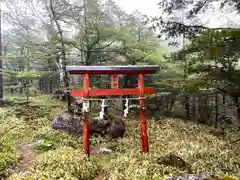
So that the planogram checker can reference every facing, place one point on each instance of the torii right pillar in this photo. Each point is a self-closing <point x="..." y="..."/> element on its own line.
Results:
<point x="143" y="123"/>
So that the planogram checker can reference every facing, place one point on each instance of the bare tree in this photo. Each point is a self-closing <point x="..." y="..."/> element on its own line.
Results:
<point x="1" y="64"/>
<point x="62" y="58"/>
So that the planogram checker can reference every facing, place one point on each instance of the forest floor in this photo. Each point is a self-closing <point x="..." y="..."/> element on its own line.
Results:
<point x="30" y="149"/>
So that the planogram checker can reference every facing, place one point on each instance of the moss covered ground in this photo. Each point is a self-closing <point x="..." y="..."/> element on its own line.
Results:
<point x="58" y="155"/>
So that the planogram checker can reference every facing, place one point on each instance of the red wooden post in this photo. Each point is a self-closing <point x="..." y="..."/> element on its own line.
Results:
<point x="114" y="81"/>
<point x="143" y="124"/>
<point x="85" y="127"/>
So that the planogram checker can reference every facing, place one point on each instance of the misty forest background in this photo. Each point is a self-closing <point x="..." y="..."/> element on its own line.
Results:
<point x="199" y="71"/>
<point x="199" y="64"/>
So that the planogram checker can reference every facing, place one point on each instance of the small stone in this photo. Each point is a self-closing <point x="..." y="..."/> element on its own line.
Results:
<point x="105" y="150"/>
<point x="203" y="176"/>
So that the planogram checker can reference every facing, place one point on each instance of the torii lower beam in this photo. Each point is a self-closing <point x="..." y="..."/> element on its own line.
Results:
<point x="111" y="92"/>
<point x="114" y="71"/>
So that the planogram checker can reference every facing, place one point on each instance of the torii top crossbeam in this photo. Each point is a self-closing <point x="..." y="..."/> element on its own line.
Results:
<point x="114" y="71"/>
<point x="150" y="69"/>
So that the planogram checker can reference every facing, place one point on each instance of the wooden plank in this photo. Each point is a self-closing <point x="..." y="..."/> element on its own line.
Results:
<point x="112" y="92"/>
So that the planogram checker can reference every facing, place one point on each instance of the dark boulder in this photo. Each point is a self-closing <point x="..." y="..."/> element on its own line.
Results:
<point x="98" y="127"/>
<point x="115" y="129"/>
<point x="108" y="128"/>
<point x="67" y="123"/>
<point x="105" y="128"/>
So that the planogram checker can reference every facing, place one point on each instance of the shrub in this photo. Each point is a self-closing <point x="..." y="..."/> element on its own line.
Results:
<point x="8" y="155"/>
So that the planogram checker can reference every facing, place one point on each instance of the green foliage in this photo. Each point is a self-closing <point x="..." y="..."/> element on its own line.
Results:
<point x="8" y="154"/>
<point x="23" y="108"/>
<point x="46" y="145"/>
<point x="8" y="151"/>
<point x="51" y="139"/>
<point x="218" y="59"/>
<point x="64" y="163"/>
<point x="69" y="160"/>
<point x="28" y="75"/>
<point x="212" y="52"/>
<point x="170" y="77"/>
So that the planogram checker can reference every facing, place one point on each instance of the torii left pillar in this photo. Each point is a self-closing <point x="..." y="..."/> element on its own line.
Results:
<point x="86" y="134"/>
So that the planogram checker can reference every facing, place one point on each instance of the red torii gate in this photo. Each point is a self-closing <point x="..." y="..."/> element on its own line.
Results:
<point x="114" y="91"/>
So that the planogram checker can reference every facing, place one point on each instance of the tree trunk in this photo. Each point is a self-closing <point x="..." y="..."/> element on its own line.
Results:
<point x="172" y="104"/>
<point x="216" y="111"/>
<point x="40" y="84"/>
<point x="64" y="79"/>
<point x="167" y="103"/>
<point x="206" y="110"/>
<point x="202" y="109"/>
<point x="1" y="65"/>
<point x="237" y="111"/>
<point x="61" y="73"/>
<point x="193" y="107"/>
<point x="50" y="85"/>
<point x="224" y="113"/>
<point x="187" y="107"/>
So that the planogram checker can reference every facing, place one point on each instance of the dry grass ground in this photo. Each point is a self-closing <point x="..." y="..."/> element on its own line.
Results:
<point x="57" y="155"/>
